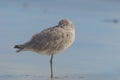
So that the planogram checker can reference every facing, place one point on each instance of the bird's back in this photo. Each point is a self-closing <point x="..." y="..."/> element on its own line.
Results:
<point x="51" y="40"/>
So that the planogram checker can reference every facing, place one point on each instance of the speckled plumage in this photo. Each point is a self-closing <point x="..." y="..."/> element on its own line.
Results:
<point x="51" y="40"/>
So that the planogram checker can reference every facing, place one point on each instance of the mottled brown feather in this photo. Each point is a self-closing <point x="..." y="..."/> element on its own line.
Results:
<point x="52" y="40"/>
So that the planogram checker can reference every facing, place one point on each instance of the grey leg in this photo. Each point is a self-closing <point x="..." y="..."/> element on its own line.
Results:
<point x="51" y="66"/>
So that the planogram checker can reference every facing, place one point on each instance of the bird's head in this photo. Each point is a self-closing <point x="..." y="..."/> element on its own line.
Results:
<point x="65" y="22"/>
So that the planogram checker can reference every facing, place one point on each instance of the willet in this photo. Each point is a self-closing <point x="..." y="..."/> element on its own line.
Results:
<point x="51" y="40"/>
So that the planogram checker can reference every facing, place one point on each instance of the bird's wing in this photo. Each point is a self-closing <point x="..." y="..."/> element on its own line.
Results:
<point x="48" y="38"/>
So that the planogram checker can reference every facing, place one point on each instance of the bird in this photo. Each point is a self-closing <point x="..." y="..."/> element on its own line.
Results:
<point x="51" y="41"/>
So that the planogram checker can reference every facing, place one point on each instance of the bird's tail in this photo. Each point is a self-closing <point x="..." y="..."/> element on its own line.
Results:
<point x="19" y="47"/>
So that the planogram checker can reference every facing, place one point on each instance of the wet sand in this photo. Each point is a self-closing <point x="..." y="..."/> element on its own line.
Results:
<point x="30" y="77"/>
<point x="60" y="77"/>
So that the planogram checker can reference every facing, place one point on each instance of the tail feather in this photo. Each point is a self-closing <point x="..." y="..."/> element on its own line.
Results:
<point x="19" y="47"/>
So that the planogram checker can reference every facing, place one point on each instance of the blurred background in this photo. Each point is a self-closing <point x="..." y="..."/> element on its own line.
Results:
<point x="94" y="54"/>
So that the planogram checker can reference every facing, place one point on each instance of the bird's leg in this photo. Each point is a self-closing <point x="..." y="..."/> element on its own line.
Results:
<point x="51" y="66"/>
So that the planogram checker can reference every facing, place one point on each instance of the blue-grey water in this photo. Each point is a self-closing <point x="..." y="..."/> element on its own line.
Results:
<point x="95" y="54"/>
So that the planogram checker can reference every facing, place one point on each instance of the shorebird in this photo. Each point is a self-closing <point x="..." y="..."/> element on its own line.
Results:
<point x="51" y="40"/>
